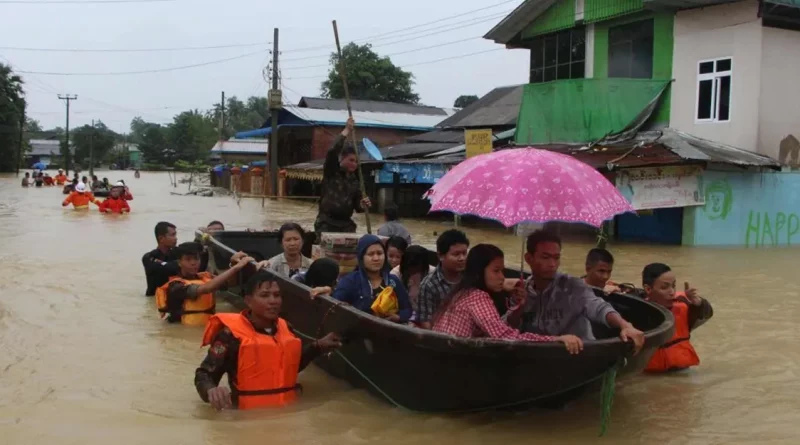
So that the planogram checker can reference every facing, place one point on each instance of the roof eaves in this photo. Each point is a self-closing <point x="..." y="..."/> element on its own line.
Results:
<point x="517" y="20"/>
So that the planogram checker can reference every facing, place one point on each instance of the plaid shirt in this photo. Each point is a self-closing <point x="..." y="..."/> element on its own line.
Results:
<point x="474" y="315"/>
<point x="432" y="290"/>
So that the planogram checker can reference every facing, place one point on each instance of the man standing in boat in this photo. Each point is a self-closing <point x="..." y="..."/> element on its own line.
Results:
<point x="341" y="193"/>
<point x="559" y="304"/>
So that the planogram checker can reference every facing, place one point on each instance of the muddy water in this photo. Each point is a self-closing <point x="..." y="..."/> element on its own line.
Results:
<point x="85" y="360"/>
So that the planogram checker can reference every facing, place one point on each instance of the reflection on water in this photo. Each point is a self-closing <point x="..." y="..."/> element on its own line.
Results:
<point x="85" y="360"/>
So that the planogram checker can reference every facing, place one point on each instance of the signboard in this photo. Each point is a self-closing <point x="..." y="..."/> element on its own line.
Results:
<point x="275" y="99"/>
<point x="478" y="142"/>
<point x="410" y="173"/>
<point x="663" y="187"/>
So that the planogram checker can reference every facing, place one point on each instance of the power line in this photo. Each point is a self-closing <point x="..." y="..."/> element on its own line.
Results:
<point x="129" y="50"/>
<point x="77" y="2"/>
<point x="157" y="70"/>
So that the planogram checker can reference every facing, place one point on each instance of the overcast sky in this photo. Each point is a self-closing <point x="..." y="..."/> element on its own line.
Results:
<point x="116" y="99"/>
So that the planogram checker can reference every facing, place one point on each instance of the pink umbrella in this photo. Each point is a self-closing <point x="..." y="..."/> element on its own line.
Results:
<point x="528" y="185"/>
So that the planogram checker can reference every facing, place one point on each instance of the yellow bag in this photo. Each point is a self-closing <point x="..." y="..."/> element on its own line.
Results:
<point x="385" y="303"/>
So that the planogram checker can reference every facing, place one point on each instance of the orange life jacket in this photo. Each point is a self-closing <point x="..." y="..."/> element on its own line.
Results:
<point x="267" y="367"/>
<point x="79" y="200"/>
<point x="195" y="312"/>
<point x="60" y="179"/>
<point x="677" y="353"/>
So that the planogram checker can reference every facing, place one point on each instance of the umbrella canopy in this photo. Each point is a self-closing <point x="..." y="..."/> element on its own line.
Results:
<point x="528" y="185"/>
<point x="40" y="166"/>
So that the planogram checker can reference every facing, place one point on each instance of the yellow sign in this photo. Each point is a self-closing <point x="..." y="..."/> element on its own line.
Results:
<point x="478" y="142"/>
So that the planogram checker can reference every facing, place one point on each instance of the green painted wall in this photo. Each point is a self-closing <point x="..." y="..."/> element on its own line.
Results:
<point x="663" y="44"/>
<point x="557" y="17"/>
<point x="599" y="10"/>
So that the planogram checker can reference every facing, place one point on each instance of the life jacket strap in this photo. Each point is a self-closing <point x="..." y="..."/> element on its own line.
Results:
<point x="268" y="392"/>
<point x="674" y="342"/>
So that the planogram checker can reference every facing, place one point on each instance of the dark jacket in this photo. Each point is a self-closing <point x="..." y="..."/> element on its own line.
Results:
<point x="355" y="288"/>
<point x="341" y="194"/>
<point x="158" y="269"/>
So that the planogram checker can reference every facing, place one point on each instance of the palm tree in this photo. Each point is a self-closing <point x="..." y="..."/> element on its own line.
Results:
<point x="12" y="116"/>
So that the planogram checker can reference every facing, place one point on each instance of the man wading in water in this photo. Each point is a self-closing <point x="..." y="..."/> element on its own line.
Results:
<point x="341" y="193"/>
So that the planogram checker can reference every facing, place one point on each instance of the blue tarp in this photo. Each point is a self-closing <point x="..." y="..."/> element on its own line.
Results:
<point x="411" y="173"/>
<point x="253" y="133"/>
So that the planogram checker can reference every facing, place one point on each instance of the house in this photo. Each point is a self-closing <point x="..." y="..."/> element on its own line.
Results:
<point x="134" y="156"/>
<point x="240" y="151"/>
<point x="691" y="104"/>
<point x="46" y="151"/>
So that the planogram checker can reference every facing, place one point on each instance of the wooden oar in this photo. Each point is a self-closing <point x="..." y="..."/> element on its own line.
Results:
<point x="343" y="75"/>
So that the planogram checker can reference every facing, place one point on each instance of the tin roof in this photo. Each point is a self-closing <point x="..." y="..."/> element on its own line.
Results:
<point x="44" y="147"/>
<point x="238" y="146"/>
<point x="373" y="106"/>
<point x="497" y="108"/>
<point x="378" y="119"/>
<point x="517" y="20"/>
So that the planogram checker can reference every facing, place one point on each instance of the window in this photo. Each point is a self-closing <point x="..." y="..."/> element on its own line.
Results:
<point x="714" y="90"/>
<point x="558" y="56"/>
<point x="630" y="50"/>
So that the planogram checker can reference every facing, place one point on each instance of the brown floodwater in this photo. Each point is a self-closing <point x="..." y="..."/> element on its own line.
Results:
<point x="84" y="359"/>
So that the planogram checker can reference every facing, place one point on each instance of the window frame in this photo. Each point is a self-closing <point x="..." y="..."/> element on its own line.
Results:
<point x="569" y="66"/>
<point x="633" y="39"/>
<point x="715" y="77"/>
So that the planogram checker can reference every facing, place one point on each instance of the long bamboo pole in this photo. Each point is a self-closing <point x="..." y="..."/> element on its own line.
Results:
<point x="343" y="74"/>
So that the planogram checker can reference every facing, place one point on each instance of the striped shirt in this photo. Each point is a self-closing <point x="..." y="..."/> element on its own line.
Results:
<point x="432" y="290"/>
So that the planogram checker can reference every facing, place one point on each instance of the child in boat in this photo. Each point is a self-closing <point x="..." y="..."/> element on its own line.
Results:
<point x="364" y="285"/>
<point x="291" y="261"/>
<point x="80" y="198"/>
<point x="115" y="203"/>
<point x="393" y="226"/>
<point x="395" y="249"/>
<point x="189" y="297"/>
<point x="469" y="311"/>
<point x="452" y="246"/>
<point x="414" y="267"/>
<point x="259" y="351"/>
<point x="690" y="312"/>
<point x="321" y="277"/>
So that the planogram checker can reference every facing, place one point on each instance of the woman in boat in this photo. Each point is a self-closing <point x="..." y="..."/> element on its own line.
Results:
<point x="371" y="278"/>
<point x="412" y="269"/>
<point x="690" y="312"/>
<point x="258" y="350"/>
<point x="395" y="249"/>
<point x="469" y="311"/>
<point x="321" y="277"/>
<point x="291" y="261"/>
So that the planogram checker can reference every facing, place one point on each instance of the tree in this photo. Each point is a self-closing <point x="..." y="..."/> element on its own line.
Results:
<point x="95" y="142"/>
<point x="191" y="135"/>
<point x="465" y="101"/>
<point x="153" y="144"/>
<point x="12" y="117"/>
<point x="369" y="77"/>
<point x="32" y="126"/>
<point x="240" y="116"/>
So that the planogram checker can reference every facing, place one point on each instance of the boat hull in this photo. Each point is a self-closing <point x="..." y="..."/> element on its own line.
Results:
<point x="424" y="370"/>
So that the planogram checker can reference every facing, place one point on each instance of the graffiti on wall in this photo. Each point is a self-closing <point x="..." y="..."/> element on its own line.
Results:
<point x="719" y="199"/>
<point x="771" y="229"/>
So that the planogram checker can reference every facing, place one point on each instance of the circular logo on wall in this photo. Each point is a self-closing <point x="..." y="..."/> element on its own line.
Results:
<point x="719" y="199"/>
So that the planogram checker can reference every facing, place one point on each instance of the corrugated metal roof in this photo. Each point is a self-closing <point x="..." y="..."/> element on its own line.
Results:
<point x="497" y="108"/>
<point x="413" y="149"/>
<point x="235" y="146"/>
<point x="455" y="136"/>
<point x="44" y="147"/>
<point x="517" y="20"/>
<point x="461" y="149"/>
<point x="373" y="106"/>
<point x="367" y="118"/>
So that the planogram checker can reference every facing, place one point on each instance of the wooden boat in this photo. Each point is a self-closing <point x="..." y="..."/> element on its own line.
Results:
<point x="428" y="371"/>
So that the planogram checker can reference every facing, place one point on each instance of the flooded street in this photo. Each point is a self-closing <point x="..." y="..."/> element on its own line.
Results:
<point x="84" y="358"/>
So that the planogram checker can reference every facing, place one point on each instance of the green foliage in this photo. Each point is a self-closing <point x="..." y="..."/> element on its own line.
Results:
<point x="240" y="116"/>
<point x="12" y="115"/>
<point x="191" y="137"/>
<point x="98" y="141"/>
<point x="369" y="77"/>
<point x="184" y="166"/>
<point x="465" y="101"/>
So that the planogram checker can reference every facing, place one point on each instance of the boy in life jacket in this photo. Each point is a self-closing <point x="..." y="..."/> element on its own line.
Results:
<point x="80" y="198"/>
<point x="259" y="351"/>
<point x="115" y="203"/>
<point x="690" y="311"/>
<point x="189" y="297"/>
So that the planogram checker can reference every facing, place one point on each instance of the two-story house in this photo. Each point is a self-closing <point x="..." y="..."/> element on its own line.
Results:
<point x="719" y="76"/>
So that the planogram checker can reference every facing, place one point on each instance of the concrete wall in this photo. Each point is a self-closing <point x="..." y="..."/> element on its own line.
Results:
<point x="780" y="93"/>
<point x="746" y="209"/>
<point x="731" y="30"/>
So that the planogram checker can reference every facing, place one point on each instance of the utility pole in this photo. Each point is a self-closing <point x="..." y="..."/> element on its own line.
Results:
<point x="275" y="104"/>
<point x="21" y="141"/>
<point x="222" y="117"/>
<point x="91" y="151"/>
<point x="67" y="155"/>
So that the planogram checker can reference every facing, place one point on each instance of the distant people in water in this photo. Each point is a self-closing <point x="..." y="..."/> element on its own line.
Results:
<point x="392" y="227"/>
<point x="26" y="181"/>
<point x="690" y="312"/>
<point x="80" y="198"/>
<point x="115" y="203"/>
<point x="61" y="178"/>
<point x="48" y="180"/>
<point x="38" y="180"/>
<point x="259" y="351"/>
<point x="136" y="174"/>
<point x="126" y="193"/>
